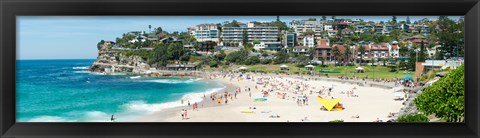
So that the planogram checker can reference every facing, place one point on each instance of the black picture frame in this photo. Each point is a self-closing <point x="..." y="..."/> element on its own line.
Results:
<point x="12" y="8"/>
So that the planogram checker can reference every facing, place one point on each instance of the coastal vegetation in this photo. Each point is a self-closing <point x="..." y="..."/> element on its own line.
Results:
<point x="445" y="98"/>
<point x="413" y="118"/>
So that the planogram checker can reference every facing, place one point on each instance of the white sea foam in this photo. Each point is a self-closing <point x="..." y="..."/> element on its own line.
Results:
<point x="49" y="119"/>
<point x="142" y="106"/>
<point x="174" y="81"/>
<point x="82" y="68"/>
<point x="135" y="77"/>
<point x="83" y="71"/>
<point x="133" y="110"/>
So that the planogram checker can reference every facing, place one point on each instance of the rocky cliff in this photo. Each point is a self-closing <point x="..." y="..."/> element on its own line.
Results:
<point x="112" y="60"/>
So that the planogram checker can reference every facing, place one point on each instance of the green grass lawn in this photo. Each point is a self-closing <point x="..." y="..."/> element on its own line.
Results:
<point x="372" y="71"/>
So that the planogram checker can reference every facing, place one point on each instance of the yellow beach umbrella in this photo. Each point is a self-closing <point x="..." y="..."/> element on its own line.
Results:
<point x="328" y="103"/>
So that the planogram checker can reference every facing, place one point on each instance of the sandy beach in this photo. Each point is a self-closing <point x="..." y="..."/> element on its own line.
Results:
<point x="366" y="103"/>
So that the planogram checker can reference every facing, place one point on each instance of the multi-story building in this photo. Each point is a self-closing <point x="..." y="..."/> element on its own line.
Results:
<point x="393" y="49"/>
<point x="300" y="50"/>
<point x="327" y="27"/>
<point x="342" y="25"/>
<point x="191" y="30"/>
<point x="379" y="51"/>
<point x="323" y="50"/>
<point x="206" y="32"/>
<point x="301" y="26"/>
<point x="402" y="27"/>
<point x="291" y="40"/>
<point x="308" y="41"/>
<point x="358" y="55"/>
<point x="378" y="29"/>
<point x="206" y="46"/>
<point x="418" y="40"/>
<point x="332" y="33"/>
<point x="274" y="46"/>
<point x="347" y="33"/>
<point x="254" y="32"/>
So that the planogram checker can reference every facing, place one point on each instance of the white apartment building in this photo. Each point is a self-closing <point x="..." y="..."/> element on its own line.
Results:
<point x="254" y="32"/>
<point x="308" y="41"/>
<point x="327" y="27"/>
<point x="301" y="26"/>
<point x="206" y="32"/>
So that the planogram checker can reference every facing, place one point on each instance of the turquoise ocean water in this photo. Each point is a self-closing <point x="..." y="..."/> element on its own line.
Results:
<point x="64" y="91"/>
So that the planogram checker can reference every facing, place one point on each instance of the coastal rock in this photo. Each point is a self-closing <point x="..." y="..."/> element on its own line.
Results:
<point x="111" y="60"/>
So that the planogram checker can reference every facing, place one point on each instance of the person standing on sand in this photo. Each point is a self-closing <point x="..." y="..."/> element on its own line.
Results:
<point x="183" y="114"/>
<point x="188" y="102"/>
<point x="186" y="114"/>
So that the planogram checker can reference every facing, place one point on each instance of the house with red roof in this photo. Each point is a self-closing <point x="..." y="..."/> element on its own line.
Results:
<point x="323" y="50"/>
<point x="393" y="50"/>
<point x="358" y="54"/>
<point x="379" y="50"/>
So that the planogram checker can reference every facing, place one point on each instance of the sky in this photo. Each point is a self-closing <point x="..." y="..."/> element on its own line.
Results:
<point x="75" y="37"/>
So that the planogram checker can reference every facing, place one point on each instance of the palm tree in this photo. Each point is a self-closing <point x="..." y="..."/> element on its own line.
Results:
<point x="384" y="60"/>
<point x="336" y="53"/>
<point x="322" y="59"/>
<point x="362" y="51"/>
<point x="150" y="28"/>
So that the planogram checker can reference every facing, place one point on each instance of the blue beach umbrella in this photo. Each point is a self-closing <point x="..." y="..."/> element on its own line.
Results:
<point x="407" y="78"/>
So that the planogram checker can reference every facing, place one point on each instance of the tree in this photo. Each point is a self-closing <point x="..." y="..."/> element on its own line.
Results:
<point x="281" y="57"/>
<point x="384" y="61"/>
<point x="445" y="97"/>
<point x="175" y="51"/>
<point x="237" y="57"/>
<point x="221" y="55"/>
<point x="160" y="55"/>
<point x="252" y="60"/>
<point x="394" y="19"/>
<point x="413" y="118"/>
<point x="101" y="42"/>
<point x="413" y="58"/>
<point x="302" y="60"/>
<point x="336" y="53"/>
<point x="408" y="20"/>
<point x="403" y="50"/>
<point x="158" y="30"/>
<point x="362" y="51"/>
<point x="266" y="61"/>
<point x="450" y="35"/>
<point x="322" y="60"/>
<point x="324" y="18"/>
<point x="244" y="37"/>
<point x="312" y="53"/>
<point x="347" y="54"/>
<point x="438" y="55"/>
<point x="422" y="55"/>
<point x="150" y="27"/>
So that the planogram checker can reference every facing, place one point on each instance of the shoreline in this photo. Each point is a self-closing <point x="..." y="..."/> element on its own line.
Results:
<point x="230" y="112"/>
<point x="169" y="113"/>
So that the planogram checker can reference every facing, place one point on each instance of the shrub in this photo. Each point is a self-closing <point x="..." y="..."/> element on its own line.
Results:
<point x="445" y="98"/>
<point x="413" y="118"/>
<point x="339" y="120"/>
